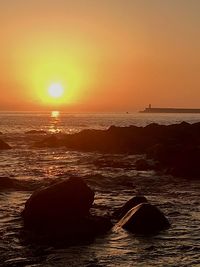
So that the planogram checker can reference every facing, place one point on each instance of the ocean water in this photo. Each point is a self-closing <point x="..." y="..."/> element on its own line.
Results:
<point x="31" y="169"/>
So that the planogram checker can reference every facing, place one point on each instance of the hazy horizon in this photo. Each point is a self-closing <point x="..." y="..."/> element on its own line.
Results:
<point x="108" y="56"/>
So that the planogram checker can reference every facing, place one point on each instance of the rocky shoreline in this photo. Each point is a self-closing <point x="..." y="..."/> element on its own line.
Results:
<point x="60" y="213"/>
<point x="173" y="149"/>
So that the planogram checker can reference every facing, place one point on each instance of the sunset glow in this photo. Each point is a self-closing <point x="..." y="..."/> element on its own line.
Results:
<point x="147" y="53"/>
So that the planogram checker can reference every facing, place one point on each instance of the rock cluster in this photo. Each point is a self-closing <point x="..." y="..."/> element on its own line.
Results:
<point x="62" y="212"/>
<point x="174" y="148"/>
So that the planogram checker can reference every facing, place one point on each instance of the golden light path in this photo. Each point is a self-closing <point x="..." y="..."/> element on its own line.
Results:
<point x="55" y="114"/>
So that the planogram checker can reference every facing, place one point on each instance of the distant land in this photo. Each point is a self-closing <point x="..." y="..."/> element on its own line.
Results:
<point x="170" y="110"/>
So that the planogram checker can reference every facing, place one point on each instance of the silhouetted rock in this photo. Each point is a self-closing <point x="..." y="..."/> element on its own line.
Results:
<point x="36" y="132"/>
<point x="7" y="183"/>
<point x="144" y="219"/>
<point x="1" y="133"/>
<point x="165" y="144"/>
<point x="67" y="200"/>
<point x="61" y="212"/>
<point x="50" y="141"/>
<point x="4" y="145"/>
<point x="131" y="203"/>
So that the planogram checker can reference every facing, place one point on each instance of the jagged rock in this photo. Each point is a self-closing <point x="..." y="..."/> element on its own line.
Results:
<point x="167" y="145"/>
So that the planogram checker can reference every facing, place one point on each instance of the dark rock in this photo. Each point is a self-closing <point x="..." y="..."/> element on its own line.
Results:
<point x="50" y="141"/>
<point x="4" y="145"/>
<point x="7" y="183"/>
<point x="144" y="219"/>
<point x="60" y="213"/>
<point x="36" y="132"/>
<point x="129" y="205"/>
<point x="56" y="205"/>
<point x="173" y="148"/>
<point x="186" y="163"/>
<point x="72" y="232"/>
<point x="1" y="133"/>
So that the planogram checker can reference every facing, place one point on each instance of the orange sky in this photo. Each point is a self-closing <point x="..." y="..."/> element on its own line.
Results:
<point x="109" y="55"/>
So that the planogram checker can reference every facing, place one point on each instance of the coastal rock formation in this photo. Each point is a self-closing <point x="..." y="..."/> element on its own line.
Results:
<point x="132" y="139"/>
<point x="50" y="141"/>
<point x="144" y="219"/>
<point x="131" y="203"/>
<point x="4" y="145"/>
<point x="62" y="212"/>
<point x="174" y="148"/>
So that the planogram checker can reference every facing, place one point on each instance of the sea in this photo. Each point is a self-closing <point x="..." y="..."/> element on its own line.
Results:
<point x="33" y="168"/>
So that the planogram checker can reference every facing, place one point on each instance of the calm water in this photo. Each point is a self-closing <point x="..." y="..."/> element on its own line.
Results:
<point x="33" y="168"/>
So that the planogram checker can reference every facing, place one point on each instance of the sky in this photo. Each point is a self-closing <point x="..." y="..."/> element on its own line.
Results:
<point x="107" y="55"/>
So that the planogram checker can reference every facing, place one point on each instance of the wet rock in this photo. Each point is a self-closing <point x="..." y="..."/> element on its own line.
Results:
<point x="61" y="202"/>
<point x="7" y="183"/>
<point x="178" y="160"/>
<point x="131" y="203"/>
<point x="50" y="141"/>
<point x="186" y="163"/>
<point x="61" y="213"/>
<point x="4" y="145"/>
<point x="144" y="219"/>
<point x="169" y="146"/>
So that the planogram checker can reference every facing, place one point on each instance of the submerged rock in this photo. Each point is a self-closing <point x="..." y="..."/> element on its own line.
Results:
<point x="129" y="205"/>
<point x="144" y="219"/>
<point x="4" y="145"/>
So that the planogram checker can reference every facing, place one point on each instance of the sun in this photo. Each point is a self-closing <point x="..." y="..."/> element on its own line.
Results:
<point x="56" y="90"/>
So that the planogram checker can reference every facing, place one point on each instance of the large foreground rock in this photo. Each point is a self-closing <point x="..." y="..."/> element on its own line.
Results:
<point x="4" y="145"/>
<point x="65" y="201"/>
<point x="144" y="219"/>
<point x="61" y="213"/>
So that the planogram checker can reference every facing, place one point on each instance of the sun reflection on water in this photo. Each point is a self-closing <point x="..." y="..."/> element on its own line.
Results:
<point x="55" y="118"/>
<point x="55" y="114"/>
